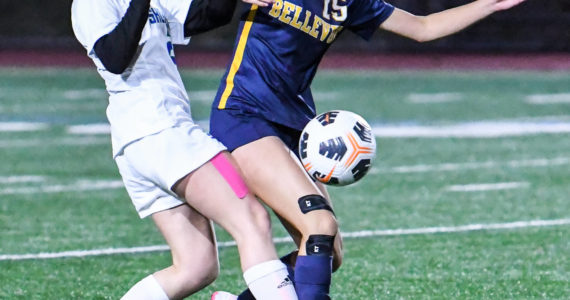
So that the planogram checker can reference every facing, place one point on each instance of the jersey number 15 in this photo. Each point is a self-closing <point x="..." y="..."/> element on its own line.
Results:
<point x="338" y="12"/>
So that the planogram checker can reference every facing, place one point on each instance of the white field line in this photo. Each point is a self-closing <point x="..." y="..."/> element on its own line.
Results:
<point x="22" y="126"/>
<point x="90" y="129"/>
<point x="86" y="93"/>
<point x="347" y="235"/>
<point x="484" y="129"/>
<point x="449" y="167"/>
<point x="471" y="130"/>
<point x="105" y="128"/>
<point x="202" y="96"/>
<point x="79" y="186"/>
<point x="321" y="96"/>
<point x="540" y="119"/>
<point x="21" y="179"/>
<point x="75" y="141"/>
<point x="483" y="187"/>
<point x="462" y="130"/>
<point x="434" y="98"/>
<point x="541" y="99"/>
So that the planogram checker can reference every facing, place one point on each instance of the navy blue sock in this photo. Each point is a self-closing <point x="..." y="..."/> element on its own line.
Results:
<point x="246" y="295"/>
<point x="313" y="277"/>
<point x="288" y="261"/>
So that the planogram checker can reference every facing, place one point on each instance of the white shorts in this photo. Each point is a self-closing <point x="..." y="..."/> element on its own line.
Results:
<point x="152" y="165"/>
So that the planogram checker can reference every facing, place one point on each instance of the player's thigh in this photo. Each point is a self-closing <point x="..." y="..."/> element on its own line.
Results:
<point x="152" y="165"/>
<point x="209" y="190"/>
<point x="323" y="189"/>
<point x="189" y="235"/>
<point x="275" y="177"/>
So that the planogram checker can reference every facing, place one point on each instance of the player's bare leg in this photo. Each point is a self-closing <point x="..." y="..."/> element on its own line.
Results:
<point x="192" y="241"/>
<point x="245" y="219"/>
<point x="338" y="252"/>
<point x="275" y="177"/>
<point x="296" y="235"/>
<point x="213" y="192"/>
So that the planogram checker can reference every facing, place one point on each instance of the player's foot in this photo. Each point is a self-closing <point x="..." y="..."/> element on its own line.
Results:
<point x="223" y="296"/>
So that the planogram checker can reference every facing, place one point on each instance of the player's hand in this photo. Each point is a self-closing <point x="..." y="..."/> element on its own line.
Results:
<point x="506" y="4"/>
<point x="262" y="3"/>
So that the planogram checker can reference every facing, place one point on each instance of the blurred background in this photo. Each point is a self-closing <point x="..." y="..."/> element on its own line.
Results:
<point x="473" y="135"/>
<point x="535" y="26"/>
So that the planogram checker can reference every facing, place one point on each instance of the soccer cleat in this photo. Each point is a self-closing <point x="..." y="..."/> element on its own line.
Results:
<point x="219" y="295"/>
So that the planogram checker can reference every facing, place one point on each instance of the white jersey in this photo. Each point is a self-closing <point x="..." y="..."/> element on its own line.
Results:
<point x="149" y="96"/>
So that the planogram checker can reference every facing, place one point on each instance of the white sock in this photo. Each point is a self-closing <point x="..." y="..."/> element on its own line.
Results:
<point x="146" y="289"/>
<point x="270" y="281"/>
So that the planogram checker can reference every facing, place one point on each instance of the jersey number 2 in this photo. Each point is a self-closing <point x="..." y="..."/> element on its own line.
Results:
<point x="338" y="12"/>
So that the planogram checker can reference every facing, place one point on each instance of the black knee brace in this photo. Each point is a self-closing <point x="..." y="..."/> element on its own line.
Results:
<point x="313" y="202"/>
<point x="320" y="244"/>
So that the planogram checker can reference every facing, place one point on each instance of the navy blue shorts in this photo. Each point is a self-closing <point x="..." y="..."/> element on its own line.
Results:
<point x="235" y="128"/>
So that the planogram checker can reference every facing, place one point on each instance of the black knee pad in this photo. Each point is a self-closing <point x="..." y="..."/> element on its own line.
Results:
<point x="313" y="202"/>
<point x="320" y="244"/>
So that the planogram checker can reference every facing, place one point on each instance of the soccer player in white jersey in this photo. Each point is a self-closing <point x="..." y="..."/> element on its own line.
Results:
<point x="172" y="170"/>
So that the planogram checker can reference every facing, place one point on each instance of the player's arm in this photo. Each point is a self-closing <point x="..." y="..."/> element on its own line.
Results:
<point x="117" y="48"/>
<point x="205" y="15"/>
<point x="444" y="23"/>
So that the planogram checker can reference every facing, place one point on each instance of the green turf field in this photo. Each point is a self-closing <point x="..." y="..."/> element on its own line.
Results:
<point x="468" y="198"/>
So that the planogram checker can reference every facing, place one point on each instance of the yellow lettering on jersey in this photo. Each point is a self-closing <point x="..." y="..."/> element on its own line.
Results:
<point x="317" y="22"/>
<point x="336" y="29"/>
<point x="292" y="14"/>
<point x="325" y="31"/>
<point x="295" y="22"/>
<point x="306" y="28"/>
<point x="238" y="57"/>
<point x="276" y="8"/>
<point x="285" y="13"/>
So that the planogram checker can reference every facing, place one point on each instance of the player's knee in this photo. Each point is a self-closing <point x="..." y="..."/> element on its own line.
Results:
<point x="320" y="245"/>
<point x="197" y="276"/>
<point x="256" y="224"/>
<point x="319" y="216"/>
<point x="324" y="224"/>
<point x="261" y="218"/>
<point x="199" y="266"/>
<point x="261" y="225"/>
<point x="210" y="274"/>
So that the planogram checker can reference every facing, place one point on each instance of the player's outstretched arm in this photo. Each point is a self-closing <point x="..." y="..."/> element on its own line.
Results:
<point x="205" y="15"/>
<point x="444" y="23"/>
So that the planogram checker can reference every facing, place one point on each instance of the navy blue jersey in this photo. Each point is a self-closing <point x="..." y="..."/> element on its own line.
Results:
<point x="278" y="49"/>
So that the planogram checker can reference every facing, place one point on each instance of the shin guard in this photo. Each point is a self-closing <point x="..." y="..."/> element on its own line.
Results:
<point x="313" y="272"/>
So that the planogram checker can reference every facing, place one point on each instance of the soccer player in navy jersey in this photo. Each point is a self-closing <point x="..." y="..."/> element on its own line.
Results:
<point x="265" y="100"/>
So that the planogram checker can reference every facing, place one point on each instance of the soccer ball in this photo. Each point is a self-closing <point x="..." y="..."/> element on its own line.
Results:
<point x="337" y="147"/>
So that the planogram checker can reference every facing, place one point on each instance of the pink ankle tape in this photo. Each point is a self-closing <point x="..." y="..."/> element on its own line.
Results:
<point x="230" y="174"/>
